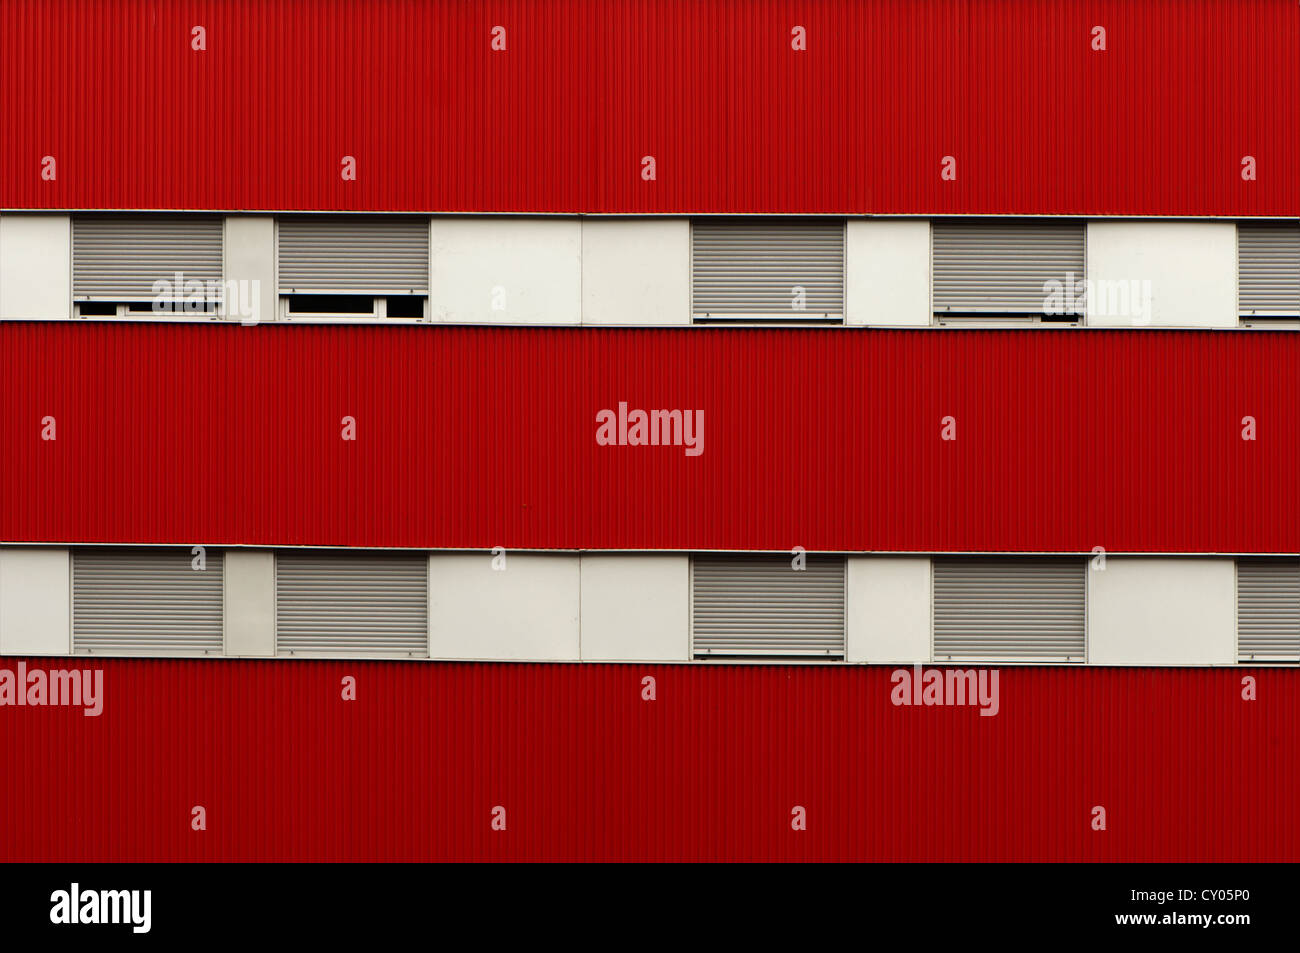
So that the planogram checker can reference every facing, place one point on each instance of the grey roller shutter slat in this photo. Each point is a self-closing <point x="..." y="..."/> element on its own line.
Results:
<point x="752" y="268"/>
<point x="1268" y="610"/>
<point x="345" y="255"/>
<point x="351" y="604"/>
<point x="758" y="606"/>
<point x="146" y="601"/>
<point x="1000" y="268"/>
<point x="1009" y="609"/>
<point x="1268" y="269"/>
<point x="119" y="257"/>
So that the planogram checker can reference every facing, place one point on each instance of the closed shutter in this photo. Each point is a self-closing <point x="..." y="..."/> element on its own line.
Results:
<point x="351" y="603"/>
<point x="1268" y="610"/>
<point x="758" y="606"/>
<point x="343" y="255"/>
<point x="1000" y="268"/>
<point x="1009" y="610"/>
<point x="119" y="257"/>
<point x="752" y="268"/>
<point x="151" y="601"/>
<point x="1268" y="269"/>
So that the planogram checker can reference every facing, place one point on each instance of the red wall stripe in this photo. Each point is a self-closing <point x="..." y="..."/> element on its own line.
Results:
<point x="474" y="437"/>
<point x="710" y="770"/>
<point x="1038" y="121"/>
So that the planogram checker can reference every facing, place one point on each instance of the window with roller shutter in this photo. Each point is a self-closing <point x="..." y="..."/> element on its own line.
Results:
<point x="1019" y="609"/>
<point x="758" y="606"/>
<point x="1002" y="271"/>
<point x="1268" y="272"/>
<point x="1268" y="610"/>
<point x="767" y="270"/>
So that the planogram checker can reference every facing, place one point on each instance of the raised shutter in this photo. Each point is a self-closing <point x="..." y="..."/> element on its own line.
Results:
<point x="1268" y="269"/>
<point x="119" y="257"/>
<point x="751" y="268"/>
<point x="351" y="604"/>
<point x="146" y="601"/>
<point x="1020" y="609"/>
<point x="758" y="606"/>
<point x="1268" y="610"/>
<point x="345" y="255"/>
<point x="1000" y="268"/>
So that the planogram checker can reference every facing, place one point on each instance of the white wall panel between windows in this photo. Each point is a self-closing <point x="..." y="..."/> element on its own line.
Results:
<point x="1162" y="611"/>
<point x="499" y="270"/>
<point x="888" y="614"/>
<point x="887" y="272"/>
<point x="635" y="607"/>
<point x="636" y="271"/>
<point x="35" y="266"/>
<point x="34" y="601"/>
<point x="527" y="611"/>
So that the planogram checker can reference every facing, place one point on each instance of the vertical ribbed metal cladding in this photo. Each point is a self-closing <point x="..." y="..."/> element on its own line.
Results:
<point x="503" y="422"/>
<point x="587" y="770"/>
<point x="366" y="603"/>
<point x="119" y="257"/>
<point x="776" y="268"/>
<point x="1009" y="610"/>
<point x="146" y="601"/>
<point x="1003" y="267"/>
<point x="1268" y="269"/>
<point x="762" y="607"/>
<point x="353" y="254"/>
<point x="1268" y="610"/>
<point x="735" y="119"/>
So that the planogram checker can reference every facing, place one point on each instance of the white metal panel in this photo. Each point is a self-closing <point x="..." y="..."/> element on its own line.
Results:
<point x="1001" y="267"/>
<point x="119" y="257"/>
<point x="146" y="601"/>
<point x="1268" y="269"/>
<point x="759" y="606"/>
<point x="1268" y="610"/>
<point x="1012" y="609"/>
<point x="351" y="603"/>
<point x="346" y="255"/>
<point x="752" y="268"/>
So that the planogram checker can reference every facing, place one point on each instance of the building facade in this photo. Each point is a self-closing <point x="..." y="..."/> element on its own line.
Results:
<point x="784" y="344"/>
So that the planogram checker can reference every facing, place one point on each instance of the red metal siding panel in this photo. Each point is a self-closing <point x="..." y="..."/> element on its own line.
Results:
<point x="586" y="770"/>
<point x="823" y="438"/>
<point x="738" y="122"/>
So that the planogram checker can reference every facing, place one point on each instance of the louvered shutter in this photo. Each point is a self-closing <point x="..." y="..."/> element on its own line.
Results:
<point x="1268" y="610"/>
<point x="1009" y="610"/>
<point x="146" y="601"/>
<point x="758" y="606"/>
<point x="750" y="268"/>
<point x="1268" y="270"/>
<point x="119" y="257"/>
<point x="344" y="255"/>
<point x="1000" y="268"/>
<point x="351" y="604"/>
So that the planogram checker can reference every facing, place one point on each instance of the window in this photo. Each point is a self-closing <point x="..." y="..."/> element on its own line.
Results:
<point x="1017" y="609"/>
<point x="1268" y="610"/>
<point x="767" y="270"/>
<point x="147" y="266"/>
<point x="350" y="604"/>
<point x="1013" y="272"/>
<point x="340" y="267"/>
<point x="147" y="602"/>
<point x="1268" y="273"/>
<point x="759" y="606"/>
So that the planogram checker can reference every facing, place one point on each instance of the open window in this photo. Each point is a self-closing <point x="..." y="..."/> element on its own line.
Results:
<point x="147" y="266"/>
<point x="353" y="268"/>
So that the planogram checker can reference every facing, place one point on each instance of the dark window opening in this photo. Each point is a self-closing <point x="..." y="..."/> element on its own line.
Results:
<point x="331" y="304"/>
<point x="97" y="308"/>
<point x="406" y="306"/>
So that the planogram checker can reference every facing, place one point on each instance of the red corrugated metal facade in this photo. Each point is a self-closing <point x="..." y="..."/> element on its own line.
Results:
<point x="586" y="770"/>
<point x="1039" y="121"/>
<point x="827" y="439"/>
